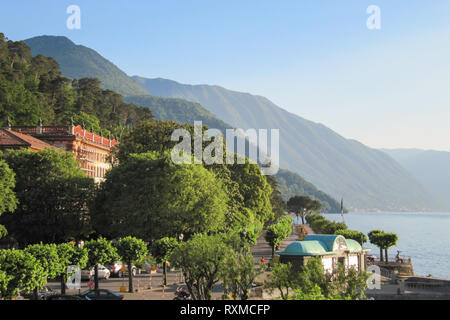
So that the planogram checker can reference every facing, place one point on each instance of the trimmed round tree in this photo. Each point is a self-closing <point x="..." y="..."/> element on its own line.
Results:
<point x="53" y="194"/>
<point x="49" y="259"/>
<point x="131" y="249"/>
<point x="387" y="241"/>
<point x="278" y="232"/>
<point x="70" y="255"/>
<point x="161" y="250"/>
<point x="376" y="240"/>
<point x="23" y="272"/>
<point x="100" y="252"/>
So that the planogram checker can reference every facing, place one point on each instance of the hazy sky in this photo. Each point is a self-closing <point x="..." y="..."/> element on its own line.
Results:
<point x="387" y="88"/>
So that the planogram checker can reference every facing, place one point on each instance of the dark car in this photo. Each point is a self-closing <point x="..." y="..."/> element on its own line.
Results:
<point x="101" y="294"/>
<point x="64" y="298"/>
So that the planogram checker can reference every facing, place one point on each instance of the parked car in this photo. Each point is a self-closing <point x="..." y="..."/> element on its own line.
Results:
<point x="60" y="297"/>
<point x="100" y="294"/>
<point x="43" y="293"/>
<point x="116" y="270"/>
<point x="103" y="273"/>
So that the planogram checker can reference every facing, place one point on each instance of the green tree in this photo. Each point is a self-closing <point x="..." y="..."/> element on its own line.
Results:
<point x="303" y="206"/>
<point x="332" y="226"/>
<point x="278" y="232"/>
<point x="342" y="283"/>
<point x="358" y="236"/>
<point x="23" y="273"/>
<point x="8" y="200"/>
<point x="150" y="197"/>
<point x="314" y="293"/>
<point x="283" y="278"/>
<point x="202" y="261"/>
<point x="254" y="188"/>
<point x="70" y="255"/>
<point x="386" y="241"/>
<point x="350" y="283"/>
<point x="3" y="232"/>
<point x="48" y="257"/>
<point x="240" y="273"/>
<point x="53" y="196"/>
<point x="100" y="252"/>
<point x="162" y="249"/>
<point x="313" y="274"/>
<point x="248" y="191"/>
<point x="131" y="249"/>
<point x="276" y="199"/>
<point x="4" y="280"/>
<point x="376" y="240"/>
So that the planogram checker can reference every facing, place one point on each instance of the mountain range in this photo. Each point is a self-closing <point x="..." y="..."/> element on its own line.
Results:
<point x="430" y="167"/>
<point x="368" y="179"/>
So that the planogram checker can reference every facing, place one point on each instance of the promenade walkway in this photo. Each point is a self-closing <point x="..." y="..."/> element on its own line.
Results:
<point x="262" y="248"/>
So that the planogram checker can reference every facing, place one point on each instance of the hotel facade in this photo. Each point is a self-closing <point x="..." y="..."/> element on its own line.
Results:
<point x="91" y="150"/>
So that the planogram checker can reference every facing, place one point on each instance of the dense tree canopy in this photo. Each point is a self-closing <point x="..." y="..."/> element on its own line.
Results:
<point x="8" y="200"/>
<point x="249" y="193"/>
<point x="150" y="197"/>
<point x="53" y="194"/>
<point x="21" y="272"/>
<point x="48" y="257"/>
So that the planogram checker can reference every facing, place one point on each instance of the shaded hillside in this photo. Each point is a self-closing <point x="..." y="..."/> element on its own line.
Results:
<point x="291" y="184"/>
<point x="78" y="61"/>
<point x="367" y="178"/>
<point x="178" y="110"/>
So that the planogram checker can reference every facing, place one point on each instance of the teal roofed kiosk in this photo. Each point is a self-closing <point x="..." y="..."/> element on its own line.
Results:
<point x="333" y="249"/>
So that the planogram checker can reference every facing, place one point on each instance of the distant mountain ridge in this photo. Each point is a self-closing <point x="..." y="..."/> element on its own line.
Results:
<point x="367" y="178"/>
<point x="430" y="167"/>
<point x="77" y="61"/>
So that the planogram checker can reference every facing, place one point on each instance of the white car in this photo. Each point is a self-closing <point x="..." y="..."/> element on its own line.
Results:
<point x="103" y="273"/>
<point x="116" y="270"/>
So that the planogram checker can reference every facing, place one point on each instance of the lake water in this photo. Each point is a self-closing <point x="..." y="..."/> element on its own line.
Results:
<point x="425" y="237"/>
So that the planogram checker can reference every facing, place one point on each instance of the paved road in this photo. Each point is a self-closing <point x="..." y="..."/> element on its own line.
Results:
<point x="150" y="286"/>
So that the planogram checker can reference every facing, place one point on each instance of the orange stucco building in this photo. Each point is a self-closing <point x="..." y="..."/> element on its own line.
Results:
<point x="91" y="150"/>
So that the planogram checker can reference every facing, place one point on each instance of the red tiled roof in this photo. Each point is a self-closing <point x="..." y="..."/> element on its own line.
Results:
<point x="9" y="138"/>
